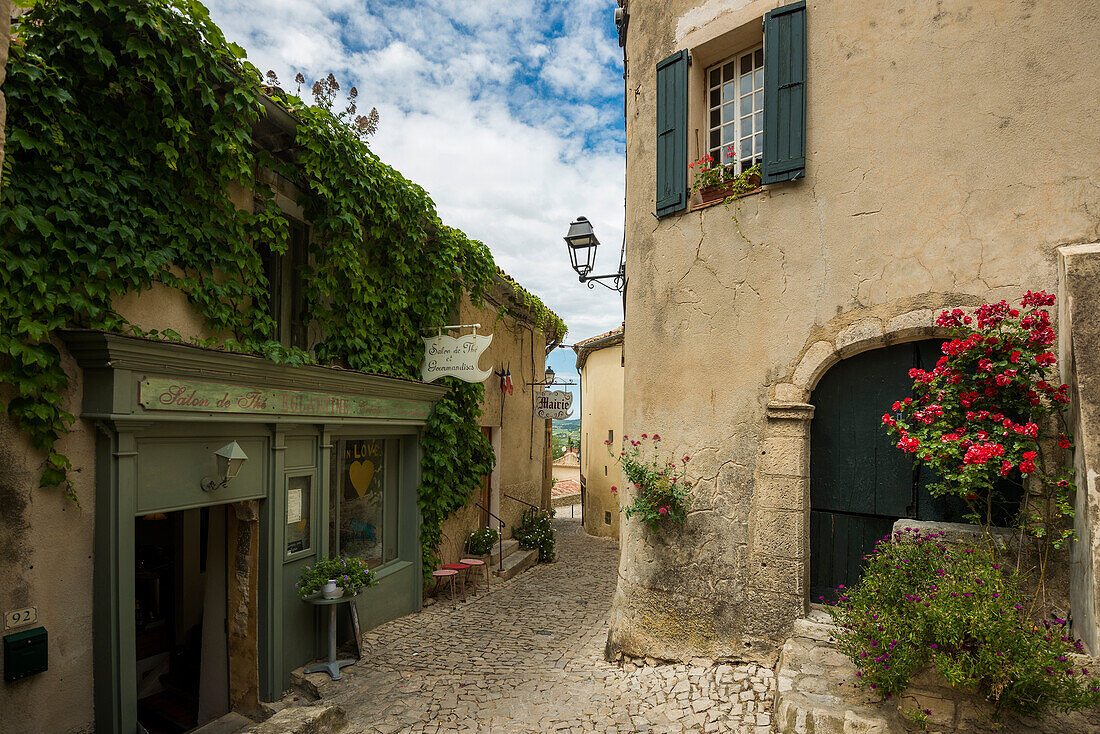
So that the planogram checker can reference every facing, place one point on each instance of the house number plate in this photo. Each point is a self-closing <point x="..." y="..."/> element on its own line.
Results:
<point x="20" y="617"/>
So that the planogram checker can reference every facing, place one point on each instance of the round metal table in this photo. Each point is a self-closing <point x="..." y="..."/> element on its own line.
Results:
<point x="332" y="665"/>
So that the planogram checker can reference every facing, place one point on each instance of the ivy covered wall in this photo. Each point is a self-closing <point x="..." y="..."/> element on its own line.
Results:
<point x="129" y="124"/>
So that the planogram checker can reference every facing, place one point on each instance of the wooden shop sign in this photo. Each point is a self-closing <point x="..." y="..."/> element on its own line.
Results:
<point x="210" y="397"/>
<point x="455" y="356"/>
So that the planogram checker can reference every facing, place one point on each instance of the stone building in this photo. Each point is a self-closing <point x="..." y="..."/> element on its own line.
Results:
<point x="600" y="365"/>
<point x="567" y="467"/>
<point x="170" y="591"/>
<point x="915" y="157"/>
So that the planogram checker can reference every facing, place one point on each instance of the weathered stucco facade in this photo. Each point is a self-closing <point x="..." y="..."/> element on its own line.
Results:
<point x="947" y="160"/>
<point x="519" y="439"/>
<point x="600" y="365"/>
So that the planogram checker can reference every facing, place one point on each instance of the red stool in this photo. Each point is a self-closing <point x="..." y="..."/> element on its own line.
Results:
<point x="448" y="574"/>
<point x="459" y="567"/>
<point x="475" y="562"/>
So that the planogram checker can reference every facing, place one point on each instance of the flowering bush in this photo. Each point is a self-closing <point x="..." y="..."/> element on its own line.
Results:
<point x="482" y="541"/>
<point x="709" y="174"/>
<point x="661" y="490"/>
<point x="536" y="531"/>
<point x="925" y="601"/>
<point x="350" y="573"/>
<point x="983" y="414"/>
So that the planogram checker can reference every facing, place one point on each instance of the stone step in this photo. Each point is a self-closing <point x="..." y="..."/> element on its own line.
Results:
<point x="517" y="563"/>
<point x="509" y="547"/>
<point x="314" y="719"/>
<point x="820" y="631"/>
<point x="228" y="724"/>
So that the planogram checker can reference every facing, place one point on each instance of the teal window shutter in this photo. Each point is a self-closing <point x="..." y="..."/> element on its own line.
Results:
<point x="785" y="93"/>
<point x="672" y="82"/>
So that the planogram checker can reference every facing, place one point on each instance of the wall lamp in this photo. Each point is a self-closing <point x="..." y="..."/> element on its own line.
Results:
<point x="582" y="243"/>
<point x="231" y="458"/>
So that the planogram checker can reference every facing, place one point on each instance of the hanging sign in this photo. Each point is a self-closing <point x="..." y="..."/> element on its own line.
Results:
<point x="455" y="357"/>
<point x="554" y="404"/>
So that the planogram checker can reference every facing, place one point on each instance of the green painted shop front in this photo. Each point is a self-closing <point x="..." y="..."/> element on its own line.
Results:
<point x="332" y="466"/>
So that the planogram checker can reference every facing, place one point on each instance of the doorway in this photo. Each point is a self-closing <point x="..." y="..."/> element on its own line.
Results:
<point x="180" y="619"/>
<point x="860" y="482"/>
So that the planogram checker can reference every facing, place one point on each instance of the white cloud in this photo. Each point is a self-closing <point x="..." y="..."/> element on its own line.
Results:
<point x="507" y="112"/>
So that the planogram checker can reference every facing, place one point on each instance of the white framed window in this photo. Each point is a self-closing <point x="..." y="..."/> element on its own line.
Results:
<point x="735" y="109"/>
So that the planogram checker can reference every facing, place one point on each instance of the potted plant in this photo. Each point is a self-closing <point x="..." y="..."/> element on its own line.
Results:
<point x="715" y="181"/>
<point x="662" y="492"/>
<point x="342" y="575"/>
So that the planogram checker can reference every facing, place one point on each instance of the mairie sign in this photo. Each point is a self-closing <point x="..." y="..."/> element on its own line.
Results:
<point x="455" y="356"/>
<point x="158" y="393"/>
<point x="553" y="404"/>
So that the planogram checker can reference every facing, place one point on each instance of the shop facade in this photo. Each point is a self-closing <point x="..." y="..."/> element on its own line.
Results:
<point x="185" y="559"/>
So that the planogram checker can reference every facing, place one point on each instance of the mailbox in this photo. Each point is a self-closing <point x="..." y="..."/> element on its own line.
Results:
<point x="25" y="653"/>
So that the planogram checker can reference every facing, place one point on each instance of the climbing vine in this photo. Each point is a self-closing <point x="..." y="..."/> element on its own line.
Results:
<point x="130" y="128"/>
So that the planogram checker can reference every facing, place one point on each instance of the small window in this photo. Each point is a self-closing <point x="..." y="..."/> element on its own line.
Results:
<point x="735" y="110"/>
<point x="285" y="274"/>
<point x="606" y="518"/>
<point x="611" y="436"/>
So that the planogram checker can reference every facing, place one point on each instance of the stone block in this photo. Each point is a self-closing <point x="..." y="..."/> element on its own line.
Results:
<point x="859" y="337"/>
<point x="778" y="574"/>
<point x="790" y="393"/>
<point x="778" y="533"/>
<point x="818" y="358"/>
<point x="909" y="325"/>
<point x="786" y="492"/>
<point x="784" y="456"/>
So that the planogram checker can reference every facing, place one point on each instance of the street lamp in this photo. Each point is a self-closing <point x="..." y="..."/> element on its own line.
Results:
<point x="582" y="244"/>
<point x="548" y="374"/>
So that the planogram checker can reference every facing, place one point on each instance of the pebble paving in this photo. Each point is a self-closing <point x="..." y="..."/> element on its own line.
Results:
<point x="529" y="657"/>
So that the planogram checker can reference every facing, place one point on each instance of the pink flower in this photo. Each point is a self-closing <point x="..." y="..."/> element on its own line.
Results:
<point x="687" y="459"/>
<point x="662" y="510"/>
<point x="656" y="437"/>
<point x="644" y="436"/>
<point x="614" y="489"/>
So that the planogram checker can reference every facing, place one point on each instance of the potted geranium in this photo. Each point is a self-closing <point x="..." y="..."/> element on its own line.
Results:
<point x="342" y="575"/>
<point x="715" y="181"/>
<point x="662" y="491"/>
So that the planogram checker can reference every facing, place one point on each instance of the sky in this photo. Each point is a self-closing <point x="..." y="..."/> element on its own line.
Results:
<point x="510" y="114"/>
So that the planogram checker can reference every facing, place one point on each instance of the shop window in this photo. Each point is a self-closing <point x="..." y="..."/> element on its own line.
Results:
<point x="364" y="507"/>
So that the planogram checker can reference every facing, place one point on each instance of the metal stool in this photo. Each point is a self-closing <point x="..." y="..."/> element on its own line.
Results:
<point x="457" y="567"/>
<point x="449" y="574"/>
<point x="475" y="562"/>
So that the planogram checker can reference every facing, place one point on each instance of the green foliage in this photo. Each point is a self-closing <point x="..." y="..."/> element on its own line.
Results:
<point x="662" y="491"/>
<point x="349" y="573"/>
<point x="536" y="531"/>
<point x="130" y="123"/>
<point x="924" y="601"/>
<point x="482" y="541"/>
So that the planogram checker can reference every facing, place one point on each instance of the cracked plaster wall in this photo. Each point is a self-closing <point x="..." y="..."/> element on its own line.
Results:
<point x="946" y="161"/>
<point x="602" y="401"/>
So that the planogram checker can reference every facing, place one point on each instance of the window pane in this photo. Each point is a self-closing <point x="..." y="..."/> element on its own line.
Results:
<point x="729" y="72"/>
<point x="746" y="84"/>
<point x="728" y="135"/>
<point x="715" y="77"/>
<point x="758" y="79"/>
<point x="758" y="122"/>
<point x="362" y="474"/>
<point x="715" y="138"/>
<point x="729" y="92"/>
<point x="746" y="105"/>
<point x="715" y="97"/>
<point x="758" y="100"/>
<point x="746" y="148"/>
<point x="758" y="57"/>
<point x="298" y="497"/>
<point x="759" y="144"/>
<point x="728" y="112"/>
<point x="746" y="126"/>
<point x="746" y="64"/>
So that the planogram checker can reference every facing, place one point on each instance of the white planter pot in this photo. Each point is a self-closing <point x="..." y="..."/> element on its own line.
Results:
<point x="331" y="591"/>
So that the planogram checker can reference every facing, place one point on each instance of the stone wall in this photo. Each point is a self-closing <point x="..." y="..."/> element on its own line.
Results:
<point x="914" y="199"/>
<point x="523" y="453"/>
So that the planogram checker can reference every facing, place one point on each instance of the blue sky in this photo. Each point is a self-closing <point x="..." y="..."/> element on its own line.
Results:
<point x="508" y="113"/>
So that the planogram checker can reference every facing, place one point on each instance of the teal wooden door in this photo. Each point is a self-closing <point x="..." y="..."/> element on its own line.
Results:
<point x="860" y="482"/>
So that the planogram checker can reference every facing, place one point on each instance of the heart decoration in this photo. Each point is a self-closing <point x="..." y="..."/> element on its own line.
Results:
<point x="361" y="473"/>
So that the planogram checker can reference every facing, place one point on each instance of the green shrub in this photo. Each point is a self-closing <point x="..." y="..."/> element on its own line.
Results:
<point x="926" y="601"/>
<point x="482" y="541"/>
<point x="662" y="491"/>
<point x="536" y="531"/>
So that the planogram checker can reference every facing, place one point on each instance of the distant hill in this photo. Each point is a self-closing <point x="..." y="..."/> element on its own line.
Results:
<point x="572" y="424"/>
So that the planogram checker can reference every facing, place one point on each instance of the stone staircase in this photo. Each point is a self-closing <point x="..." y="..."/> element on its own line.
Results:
<point x="516" y="560"/>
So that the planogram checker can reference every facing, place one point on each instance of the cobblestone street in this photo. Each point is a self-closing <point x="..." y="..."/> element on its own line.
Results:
<point x="528" y="657"/>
